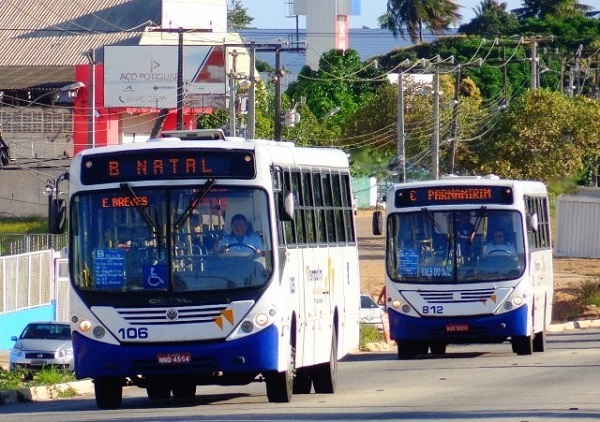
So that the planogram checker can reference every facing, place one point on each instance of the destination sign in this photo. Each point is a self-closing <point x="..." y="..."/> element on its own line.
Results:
<point x="167" y="164"/>
<point x="453" y="195"/>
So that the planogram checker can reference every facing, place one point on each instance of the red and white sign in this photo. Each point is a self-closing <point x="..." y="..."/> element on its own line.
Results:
<point x="146" y="76"/>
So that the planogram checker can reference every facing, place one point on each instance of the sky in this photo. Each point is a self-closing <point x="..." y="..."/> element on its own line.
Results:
<point x="270" y="14"/>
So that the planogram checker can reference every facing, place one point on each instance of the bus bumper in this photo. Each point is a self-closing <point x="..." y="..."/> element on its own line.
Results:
<point x="251" y="354"/>
<point x="474" y="329"/>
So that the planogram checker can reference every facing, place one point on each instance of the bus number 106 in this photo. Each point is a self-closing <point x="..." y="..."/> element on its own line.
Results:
<point x="133" y="333"/>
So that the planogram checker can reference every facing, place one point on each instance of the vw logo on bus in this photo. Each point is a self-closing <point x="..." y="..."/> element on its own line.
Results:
<point x="172" y="314"/>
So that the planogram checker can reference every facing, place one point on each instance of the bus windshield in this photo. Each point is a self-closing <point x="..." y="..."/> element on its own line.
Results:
<point x="428" y="246"/>
<point x="196" y="238"/>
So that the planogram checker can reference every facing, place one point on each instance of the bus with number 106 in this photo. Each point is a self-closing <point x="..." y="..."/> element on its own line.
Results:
<point x="468" y="260"/>
<point x="165" y="298"/>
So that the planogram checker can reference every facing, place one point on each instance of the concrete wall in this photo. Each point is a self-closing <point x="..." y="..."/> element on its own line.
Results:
<point x="12" y="323"/>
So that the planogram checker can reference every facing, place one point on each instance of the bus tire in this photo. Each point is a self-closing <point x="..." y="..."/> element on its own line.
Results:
<point x="409" y="349"/>
<point x="280" y="385"/>
<point x="109" y="392"/>
<point x="438" y="348"/>
<point x="302" y="381"/>
<point x="158" y="390"/>
<point x="184" y="390"/>
<point x="539" y="342"/>
<point x="522" y="345"/>
<point x="325" y="374"/>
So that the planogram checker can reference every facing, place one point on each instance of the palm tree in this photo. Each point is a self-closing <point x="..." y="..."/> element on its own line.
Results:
<point x="557" y="8"/>
<point x="410" y="16"/>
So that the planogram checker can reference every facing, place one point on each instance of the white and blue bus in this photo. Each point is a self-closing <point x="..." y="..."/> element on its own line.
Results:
<point x="468" y="260"/>
<point x="163" y="297"/>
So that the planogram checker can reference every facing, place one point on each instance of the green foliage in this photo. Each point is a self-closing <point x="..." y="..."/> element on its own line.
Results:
<point x="408" y="17"/>
<point x="491" y="19"/>
<point x="24" y="225"/>
<point x="588" y="292"/>
<point x="368" y="334"/>
<point x="51" y="375"/>
<point x="237" y="15"/>
<point x="544" y="135"/>
<point x="11" y="380"/>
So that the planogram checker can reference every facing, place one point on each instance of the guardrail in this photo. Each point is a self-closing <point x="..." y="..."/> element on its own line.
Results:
<point x="14" y="244"/>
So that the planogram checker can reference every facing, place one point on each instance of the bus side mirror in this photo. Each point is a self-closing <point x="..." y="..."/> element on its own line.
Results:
<point x="57" y="217"/>
<point x="377" y="223"/>
<point x="533" y="222"/>
<point x="287" y="207"/>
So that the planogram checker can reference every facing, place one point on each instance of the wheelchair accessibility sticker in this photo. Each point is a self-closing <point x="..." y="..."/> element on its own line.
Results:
<point x="155" y="276"/>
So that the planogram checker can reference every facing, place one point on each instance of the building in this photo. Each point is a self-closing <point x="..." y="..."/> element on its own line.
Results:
<point x="56" y="97"/>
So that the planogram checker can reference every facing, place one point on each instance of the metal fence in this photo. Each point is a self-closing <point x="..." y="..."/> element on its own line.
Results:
<point x="26" y="280"/>
<point x="14" y="244"/>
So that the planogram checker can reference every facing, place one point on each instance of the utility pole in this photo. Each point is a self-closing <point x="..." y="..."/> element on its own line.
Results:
<point x="180" y="94"/>
<point x="92" y="100"/>
<point x="232" y="96"/>
<point x="401" y="147"/>
<point x="435" y="142"/>
<point x="454" y="127"/>
<point x="534" y="66"/>
<point x="278" y="76"/>
<point x="252" y="95"/>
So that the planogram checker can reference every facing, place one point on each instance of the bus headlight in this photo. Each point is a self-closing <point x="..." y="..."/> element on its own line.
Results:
<point x="247" y="327"/>
<point x="261" y="319"/>
<point x="85" y="325"/>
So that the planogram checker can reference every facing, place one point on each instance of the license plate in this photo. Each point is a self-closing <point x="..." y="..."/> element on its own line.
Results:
<point x="38" y="362"/>
<point x="173" y="358"/>
<point x="457" y="328"/>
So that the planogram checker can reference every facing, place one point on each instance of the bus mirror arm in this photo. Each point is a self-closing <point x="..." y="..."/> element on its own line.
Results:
<point x="287" y="206"/>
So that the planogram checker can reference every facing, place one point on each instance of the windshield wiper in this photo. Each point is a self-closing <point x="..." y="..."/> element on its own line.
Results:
<point x="142" y="211"/>
<point x="200" y="195"/>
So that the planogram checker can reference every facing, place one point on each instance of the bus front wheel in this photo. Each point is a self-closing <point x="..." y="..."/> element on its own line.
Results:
<point x="522" y="345"/>
<point x="409" y="349"/>
<point x="280" y="385"/>
<point x="109" y="392"/>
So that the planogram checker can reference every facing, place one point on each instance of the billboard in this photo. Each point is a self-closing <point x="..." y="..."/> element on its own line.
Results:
<point x="146" y="76"/>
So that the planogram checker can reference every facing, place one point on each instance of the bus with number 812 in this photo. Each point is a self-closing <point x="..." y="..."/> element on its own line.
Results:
<point x="468" y="260"/>
<point x="167" y="296"/>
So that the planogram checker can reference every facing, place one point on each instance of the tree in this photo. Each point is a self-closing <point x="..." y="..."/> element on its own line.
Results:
<point x="491" y="18"/>
<point x="557" y="8"/>
<point x="544" y="135"/>
<point x="237" y="15"/>
<point x="410" y="16"/>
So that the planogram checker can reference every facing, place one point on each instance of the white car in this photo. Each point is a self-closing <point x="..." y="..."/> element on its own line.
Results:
<point x="43" y="344"/>
<point x="370" y="312"/>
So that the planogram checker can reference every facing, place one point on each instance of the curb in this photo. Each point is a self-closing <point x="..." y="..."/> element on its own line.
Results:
<point x="45" y="393"/>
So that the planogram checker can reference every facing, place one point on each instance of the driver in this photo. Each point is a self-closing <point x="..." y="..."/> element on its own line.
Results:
<point x="500" y="244"/>
<point x="241" y="234"/>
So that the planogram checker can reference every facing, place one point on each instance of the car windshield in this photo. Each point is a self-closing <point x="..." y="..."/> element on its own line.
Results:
<point x="455" y="247"/>
<point x="45" y="331"/>
<point x="197" y="238"/>
<point x="366" y="302"/>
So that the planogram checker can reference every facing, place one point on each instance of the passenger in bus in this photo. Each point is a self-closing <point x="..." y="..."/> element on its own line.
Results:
<point x="499" y="245"/>
<point x="241" y="234"/>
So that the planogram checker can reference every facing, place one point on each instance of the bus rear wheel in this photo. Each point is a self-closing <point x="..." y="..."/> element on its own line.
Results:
<point x="325" y="374"/>
<point x="539" y="342"/>
<point x="109" y="392"/>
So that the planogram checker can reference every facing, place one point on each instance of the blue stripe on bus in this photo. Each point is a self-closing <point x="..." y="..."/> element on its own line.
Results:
<point x="254" y="353"/>
<point x="480" y="328"/>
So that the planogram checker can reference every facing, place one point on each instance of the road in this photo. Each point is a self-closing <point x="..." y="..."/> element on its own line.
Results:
<point x="471" y="383"/>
